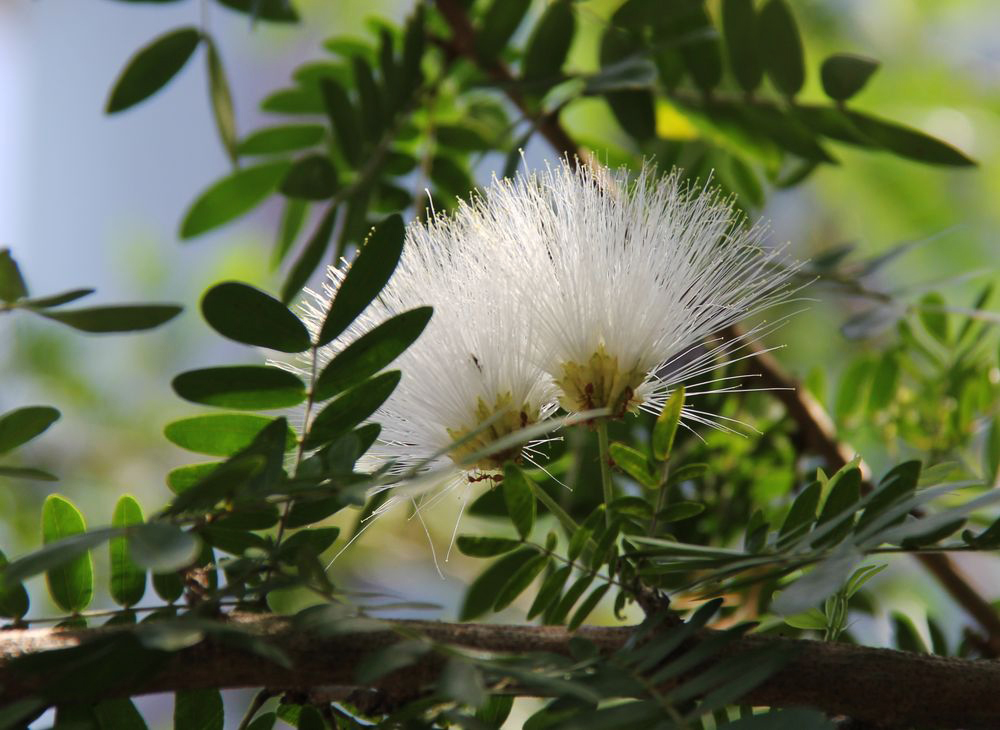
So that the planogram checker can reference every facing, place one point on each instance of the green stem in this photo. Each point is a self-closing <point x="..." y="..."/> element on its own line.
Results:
<point x="568" y="523"/>
<point x="605" y="456"/>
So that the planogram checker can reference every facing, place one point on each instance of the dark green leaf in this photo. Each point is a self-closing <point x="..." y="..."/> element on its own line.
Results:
<point x="898" y="484"/>
<point x="666" y="425"/>
<point x="485" y="547"/>
<point x="198" y="709"/>
<point x="288" y="138"/>
<point x="292" y="219"/>
<point x="549" y="43"/>
<point x="351" y="408"/>
<point x="311" y="255"/>
<point x="162" y="547"/>
<point x="588" y="605"/>
<point x="311" y="178"/>
<point x="26" y="472"/>
<point x="802" y="514"/>
<point x="678" y="511"/>
<point x="116" y="318"/>
<point x="344" y="118"/>
<point x="482" y="593"/>
<point x="462" y="137"/>
<point x="500" y="21"/>
<point x="57" y="300"/>
<point x="569" y="599"/>
<point x="232" y="196"/>
<point x="128" y="580"/>
<point x="497" y="708"/>
<point x="275" y="11"/>
<point x="739" y="25"/>
<point x="520" y="580"/>
<point x="907" y="636"/>
<point x="152" y="67"/>
<point x="71" y="584"/>
<point x="781" y="47"/>
<point x="219" y="434"/>
<point x="410" y="74"/>
<point x="310" y="719"/>
<point x="549" y="591"/>
<point x="23" y="424"/>
<point x="371" y="352"/>
<point x="182" y="478"/>
<point x="244" y="387"/>
<point x="119" y="714"/>
<point x="372" y="114"/>
<point x="12" y="286"/>
<point x="168" y="586"/>
<point x="315" y="540"/>
<point x="635" y="112"/>
<point x="845" y="491"/>
<point x="369" y="272"/>
<point x="519" y="498"/>
<point x="14" y="602"/>
<point x="450" y="176"/>
<point x="222" y="100"/>
<point x="248" y="315"/>
<point x="300" y="100"/>
<point x="845" y="74"/>
<point x="906" y="142"/>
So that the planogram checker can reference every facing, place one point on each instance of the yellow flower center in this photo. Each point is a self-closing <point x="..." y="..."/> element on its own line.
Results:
<point x="600" y="383"/>
<point x="506" y="420"/>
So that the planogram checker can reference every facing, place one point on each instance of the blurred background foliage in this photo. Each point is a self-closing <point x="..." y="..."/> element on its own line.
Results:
<point x="89" y="199"/>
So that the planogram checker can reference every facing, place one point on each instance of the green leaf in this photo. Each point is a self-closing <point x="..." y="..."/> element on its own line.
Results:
<point x="781" y="47"/>
<point x="370" y="353"/>
<point x="300" y="100"/>
<point x="485" y="547"/>
<point x="57" y="300"/>
<point x="12" y="286"/>
<point x="14" y="602"/>
<point x="885" y="382"/>
<point x="248" y="315"/>
<point x="635" y="112"/>
<point x="802" y="514"/>
<point x="634" y="463"/>
<point x="344" y="118"/>
<point x="500" y="20"/>
<point x="815" y="586"/>
<point x="905" y="142"/>
<point x="55" y="554"/>
<point x="845" y="74"/>
<point x="292" y="219"/>
<point x="182" y="478"/>
<point x="232" y="196"/>
<point x="128" y="580"/>
<point x="739" y="26"/>
<point x="315" y="540"/>
<point x="463" y="682"/>
<point x="274" y="11"/>
<point x="351" y="408"/>
<point x="450" y="176"/>
<point x="666" y="425"/>
<point x="388" y="659"/>
<point x="497" y="708"/>
<point x="933" y="317"/>
<point x="549" y="43"/>
<point x="222" y="100"/>
<point x="311" y="255"/>
<point x="569" y="599"/>
<point x="199" y="709"/>
<point x="220" y="434"/>
<point x="906" y="634"/>
<point x="811" y="620"/>
<point x="991" y="452"/>
<point x="168" y="586"/>
<point x="845" y="491"/>
<point x="549" y="591"/>
<point x="310" y="719"/>
<point x="372" y="114"/>
<point x="26" y="472"/>
<point x="898" y="484"/>
<point x="152" y="67"/>
<point x="851" y="392"/>
<point x="678" y="511"/>
<point x="163" y="547"/>
<point x="116" y="318"/>
<point x="369" y="272"/>
<point x="285" y="138"/>
<point x="482" y="591"/>
<point x="71" y="584"/>
<point x="519" y="498"/>
<point x="119" y="714"/>
<point x="243" y="387"/>
<point x="588" y="605"/>
<point x="311" y="178"/>
<point x="520" y="580"/>
<point x="21" y="425"/>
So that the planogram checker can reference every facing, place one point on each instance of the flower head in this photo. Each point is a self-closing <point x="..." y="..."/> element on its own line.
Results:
<point x="627" y="277"/>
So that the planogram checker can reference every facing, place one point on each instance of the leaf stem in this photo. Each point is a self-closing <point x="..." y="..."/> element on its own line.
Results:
<point x="605" y="457"/>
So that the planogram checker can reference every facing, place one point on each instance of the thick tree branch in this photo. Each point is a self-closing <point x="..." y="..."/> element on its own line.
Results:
<point x="890" y="688"/>
<point x="813" y="423"/>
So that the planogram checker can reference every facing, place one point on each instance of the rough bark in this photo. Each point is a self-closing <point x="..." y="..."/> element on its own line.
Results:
<point x="881" y="686"/>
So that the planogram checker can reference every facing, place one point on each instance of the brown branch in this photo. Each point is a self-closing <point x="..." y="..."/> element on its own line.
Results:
<point x="882" y="686"/>
<point x="814" y="424"/>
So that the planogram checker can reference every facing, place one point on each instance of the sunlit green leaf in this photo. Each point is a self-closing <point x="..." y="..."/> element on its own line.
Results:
<point x="519" y="498"/>
<point x="665" y="429"/>
<point x="220" y="434"/>
<point x="232" y="196"/>
<point x="128" y="580"/>
<point x="634" y="463"/>
<point x="71" y="583"/>
<point x="933" y="316"/>
<point x="152" y="67"/>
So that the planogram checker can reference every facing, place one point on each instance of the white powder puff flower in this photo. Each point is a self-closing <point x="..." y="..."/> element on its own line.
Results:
<point x="470" y="368"/>
<point x="626" y="280"/>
